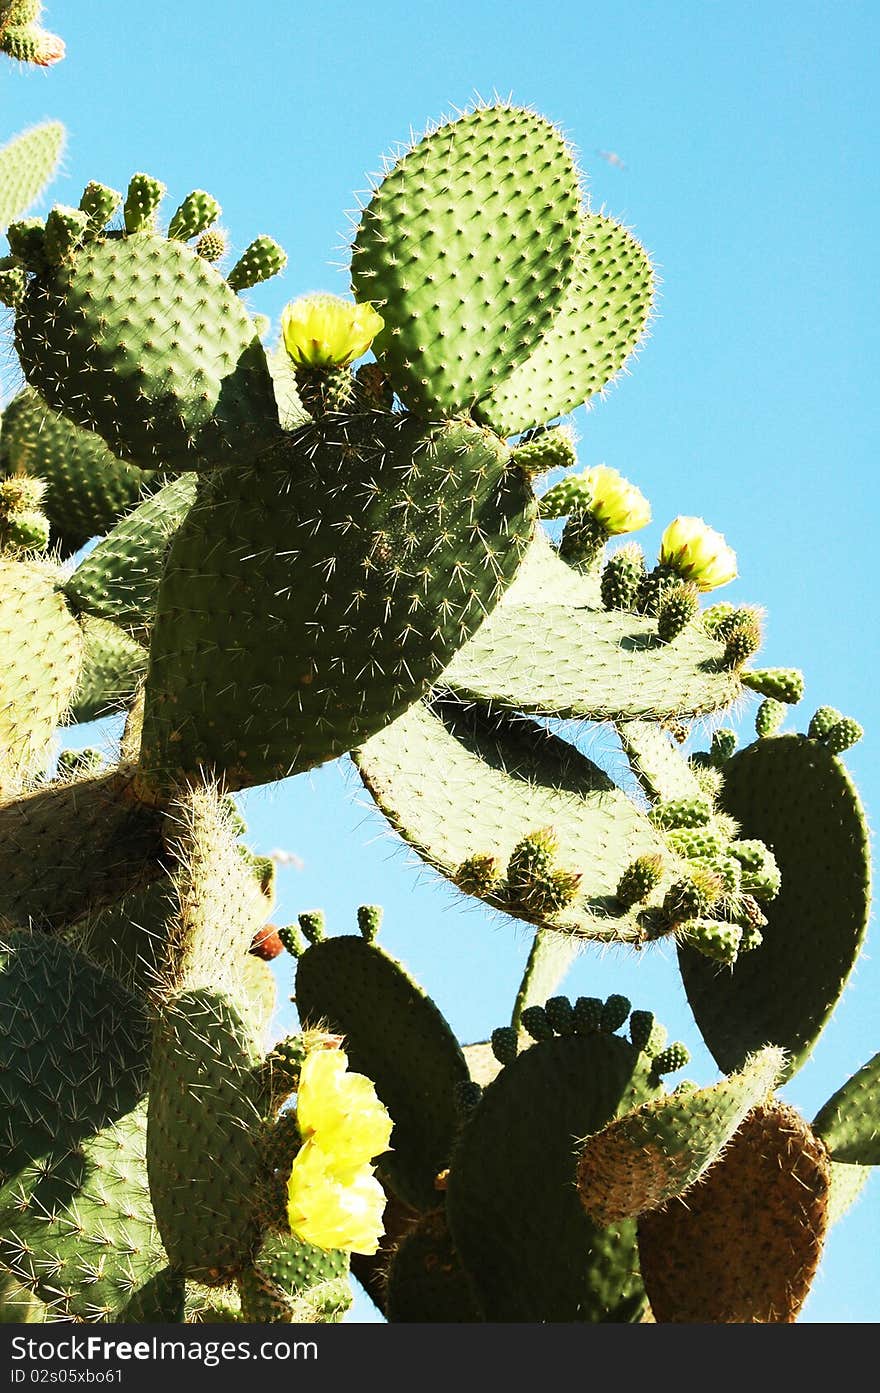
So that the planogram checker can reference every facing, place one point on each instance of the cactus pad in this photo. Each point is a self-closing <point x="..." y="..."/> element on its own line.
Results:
<point x="743" y="1246"/>
<point x="849" y="1123"/>
<point x="643" y="1159"/>
<point x="792" y="794"/>
<point x="174" y="388"/>
<point x="514" y="1215"/>
<point x="27" y="163"/>
<point x="602" y="317"/>
<point x="337" y="627"/>
<point x="112" y="667"/>
<point x="493" y="781"/>
<point x="469" y="240"/>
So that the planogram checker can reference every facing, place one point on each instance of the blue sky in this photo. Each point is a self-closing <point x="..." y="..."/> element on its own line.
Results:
<point x="748" y="133"/>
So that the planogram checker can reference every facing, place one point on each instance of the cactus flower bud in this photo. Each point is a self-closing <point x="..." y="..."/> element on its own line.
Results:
<point x="697" y="553"/>
<point x="323" y="331"/>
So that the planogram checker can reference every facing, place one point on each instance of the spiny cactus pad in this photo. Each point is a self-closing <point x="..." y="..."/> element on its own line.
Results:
<point x="470" y="239"/>
<point x="27" y="163"/>
<point x="70" y="848"/>
<point x="602" y="317"/>
<point x="644" y="1158"/>
<point x="141" y="340"/>
<point x="119" y="579"/>
<point x="337" y="627"/>
<point x="514" y="1214"/>
<point x="112" y="667"/>
<point x="794" y="795"/>
<point x="743" y="1245"/>
<point x="494" y="780"/>
<point x="41" y="650"/>
<point x="72" y="1143"/>
<point x="88" y="488"/>
<point x="571" y="658"/>
<point x="397" y="1037"/>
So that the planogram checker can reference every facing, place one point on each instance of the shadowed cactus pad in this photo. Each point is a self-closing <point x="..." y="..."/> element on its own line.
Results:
<point x="799" y="800"/>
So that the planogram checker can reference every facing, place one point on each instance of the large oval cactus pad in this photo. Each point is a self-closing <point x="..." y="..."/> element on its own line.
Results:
<point x="466" y="249"/>
<point x="742" y="1247"/>
<point x="306" y="603"/>
<point x="794" y="795"/>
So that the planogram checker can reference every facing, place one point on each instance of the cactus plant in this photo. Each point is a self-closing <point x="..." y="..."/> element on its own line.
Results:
<point x="301" y="558"/>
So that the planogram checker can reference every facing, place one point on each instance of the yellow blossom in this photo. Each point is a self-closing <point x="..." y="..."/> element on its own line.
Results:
<point x="340" y="1111"/>
<point x="616" y="503"/>
<point x="324" y="331"/>
<point x="333" y="1207"/>
<point x="697" y="553"/>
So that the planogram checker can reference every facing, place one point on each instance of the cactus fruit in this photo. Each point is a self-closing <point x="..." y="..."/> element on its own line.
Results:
<point x="299" y="555"/>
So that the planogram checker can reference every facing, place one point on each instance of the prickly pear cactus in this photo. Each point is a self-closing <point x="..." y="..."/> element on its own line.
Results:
<point x="307" y="552"/>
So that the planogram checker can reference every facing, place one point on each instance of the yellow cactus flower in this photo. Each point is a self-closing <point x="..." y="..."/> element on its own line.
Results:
<point x="333" y="1207"/>
<point x="697" y="553"/>
<point x="340" y="1111"/>
<point x="617" y="504"/>
<point x="324" y="331"/>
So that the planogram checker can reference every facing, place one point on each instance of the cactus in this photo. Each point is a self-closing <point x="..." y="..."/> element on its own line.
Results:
<point x="299" y="556"/>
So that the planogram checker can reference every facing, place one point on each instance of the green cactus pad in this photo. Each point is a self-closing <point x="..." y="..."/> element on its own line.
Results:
<point x="569" y="657"/>
<point x="644" y="1158"/>
<point x="849" y="1123"/>
<point x="87" y="488"/>
<point x="495" y="779"/>
<point x="602" y="317"/>
<point x="194" y="216"/>
<point x="94" y="1056"/>
<point x="792" y="794"/>
<point x="71" y="1146"/>
<point x="426" y="1281"/>
<point x="514" y="1215"/>
<point x="119" y="579"/>
<point x="77" y="1226"/>
<point x="71" y="848"/>
<point x="128" y="939"/>
<point x="204" y="1123"/>
<point x="41" y="651"/>
<point x="397" y="1037"/>
<point x="470" y="240"/>
<point x="302" y="1272"/>
<point x="27" y="163"/>
<point x="657" y="762"/>
<point x="545" y="450"/>
<point x="338" y="627"/>
<point x="113" y="665"/>
<point x="784" y="684"/>
<point x="139" y="339"/>
<point x="743" y="1246"/>
<point x="258" y="262"/>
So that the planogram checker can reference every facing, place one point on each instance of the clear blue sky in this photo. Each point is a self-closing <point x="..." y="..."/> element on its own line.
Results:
<point x="749" y="135"/>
